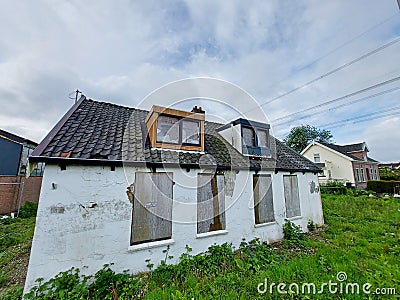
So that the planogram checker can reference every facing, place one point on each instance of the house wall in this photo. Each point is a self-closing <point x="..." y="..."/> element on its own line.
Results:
<point x="341" y="167"/>
<point x="73" y="232"/>
<point x="10" y="192"/>
<point x="233" y="136"/>
<point x="359" y="154"/>
<point x="367" y="167"/>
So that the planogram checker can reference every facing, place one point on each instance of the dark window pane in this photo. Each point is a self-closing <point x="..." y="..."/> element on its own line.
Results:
<point x="190" y="132"/>
<point x="168" y="130"/>
<point x="248" y="136"/>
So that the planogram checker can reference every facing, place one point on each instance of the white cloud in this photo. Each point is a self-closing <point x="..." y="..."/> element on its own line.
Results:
<point x="121" y="51"/>
<point x="383" y="140"/>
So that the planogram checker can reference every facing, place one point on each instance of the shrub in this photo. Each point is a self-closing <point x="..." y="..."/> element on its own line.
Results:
<point x="29" y="210"/>
<point x="293" y="235"/>
<point x="333" y="187"/>
<point x="383" y="186"/>
<point x="311" y="225"/>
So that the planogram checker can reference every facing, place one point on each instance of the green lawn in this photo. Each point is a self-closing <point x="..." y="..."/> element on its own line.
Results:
<point x="15" y="246"/>
<point x="361" y="238"/>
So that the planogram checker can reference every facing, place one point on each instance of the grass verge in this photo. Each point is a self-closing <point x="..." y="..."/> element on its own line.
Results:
<point x="361" y="238"/>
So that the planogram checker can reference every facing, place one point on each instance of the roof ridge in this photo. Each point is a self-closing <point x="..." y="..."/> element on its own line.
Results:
<point x="116" y="105"/>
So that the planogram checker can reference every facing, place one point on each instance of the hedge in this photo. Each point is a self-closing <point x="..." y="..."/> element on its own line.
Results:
<point x="383" y="186"/>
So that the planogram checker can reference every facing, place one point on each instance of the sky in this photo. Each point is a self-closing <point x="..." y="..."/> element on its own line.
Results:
<point x="122" y="51"/>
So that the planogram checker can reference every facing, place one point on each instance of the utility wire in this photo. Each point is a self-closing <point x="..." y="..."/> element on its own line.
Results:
<point x="339" y="99"/>
<point x="360" y="117"/>
<point x="338" y="106"/>
<point x="348" y="121"/>
<point x="368" y="119"/>
<point x="329" y="73"/>
<point x="344" y="44"/>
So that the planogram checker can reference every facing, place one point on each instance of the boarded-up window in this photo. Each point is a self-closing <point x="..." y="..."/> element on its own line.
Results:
<point x="210" y="203"/>
<point x="152" y="207"/>
<point x="263" y="199"/>
<point x="292" y="199"/>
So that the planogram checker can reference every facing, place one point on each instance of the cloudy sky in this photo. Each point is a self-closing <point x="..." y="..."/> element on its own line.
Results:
<point x="120" y="51"/>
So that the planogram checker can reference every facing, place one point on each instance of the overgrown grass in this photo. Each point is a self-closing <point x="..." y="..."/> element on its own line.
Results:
<point x="15" y="245"/>
<point x="361" y="238"/>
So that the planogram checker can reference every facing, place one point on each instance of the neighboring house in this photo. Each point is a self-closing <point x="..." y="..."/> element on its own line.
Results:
<point x="15" y="189"/>
<point x="14" y="153"/>
<point x="121" y="184"/>
<point x="349" y="164"/>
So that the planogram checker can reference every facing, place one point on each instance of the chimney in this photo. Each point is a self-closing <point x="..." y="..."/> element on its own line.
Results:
<point x="198" y="110"/>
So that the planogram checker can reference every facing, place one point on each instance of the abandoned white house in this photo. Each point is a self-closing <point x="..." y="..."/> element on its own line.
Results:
<point x="120" y="184"/>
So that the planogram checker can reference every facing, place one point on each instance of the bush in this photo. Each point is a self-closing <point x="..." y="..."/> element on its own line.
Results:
<point x="383" y="186"/>
<point x="333" y="187"/>
<point x="29" y="210"/>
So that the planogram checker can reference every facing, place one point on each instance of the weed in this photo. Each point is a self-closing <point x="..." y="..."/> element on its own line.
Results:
<point x="311" y="226"/>
<point x="361" y="238"/>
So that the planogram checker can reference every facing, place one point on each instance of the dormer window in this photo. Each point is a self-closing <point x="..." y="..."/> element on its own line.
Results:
<point x="175" y="129"/>
<point x="248" y="137"/>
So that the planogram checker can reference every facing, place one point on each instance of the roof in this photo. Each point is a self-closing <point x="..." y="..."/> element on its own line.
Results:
<point x="97" y="132"/>
<point x="15" y="138"/>
<point x="351" y="148"/>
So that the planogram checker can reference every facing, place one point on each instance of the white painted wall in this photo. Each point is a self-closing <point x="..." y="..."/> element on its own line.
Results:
<point x="70" y="234"/>
<point x="340" y="166"/>
<point x="233" y="135"/>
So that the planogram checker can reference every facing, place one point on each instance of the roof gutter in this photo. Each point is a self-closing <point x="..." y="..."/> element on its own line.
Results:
<point x="144" y="164"/>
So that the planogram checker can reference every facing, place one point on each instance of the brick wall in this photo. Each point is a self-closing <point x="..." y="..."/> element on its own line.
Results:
<point x="9" y="193"/>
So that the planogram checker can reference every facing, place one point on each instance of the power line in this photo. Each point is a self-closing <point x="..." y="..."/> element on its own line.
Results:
<point x="339" y="99"/>
<point x="348" y="121"/>
<point x="338" y="106"/>
<point x="329" y="73"/>
<point x="360" y="117"/>
<point x="368" y="119"/>
<point x="344" y="44"/>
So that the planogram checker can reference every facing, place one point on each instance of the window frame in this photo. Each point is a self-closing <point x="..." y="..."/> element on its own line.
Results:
<point x="179" y="122"/>
<point x="362" y="175"/>
<point x="317" y="155"/>
<point x="219" y="219"/>
<point x="142" y="213"/>
<point x="266" y="140"/>
<point x="264" y="200"/>
<point x="358" y="177"/>
<point x="292" y="193"/>
<point x="254" y="136"/>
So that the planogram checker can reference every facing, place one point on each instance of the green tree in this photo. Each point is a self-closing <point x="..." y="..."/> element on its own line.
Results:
<point x="299" y="137"/>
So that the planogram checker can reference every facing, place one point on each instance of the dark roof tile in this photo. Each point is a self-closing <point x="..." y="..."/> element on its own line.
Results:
<point x="108" y="131"/>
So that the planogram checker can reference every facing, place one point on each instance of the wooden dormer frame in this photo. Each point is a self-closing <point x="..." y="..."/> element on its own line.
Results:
<point x="152" y="123"/>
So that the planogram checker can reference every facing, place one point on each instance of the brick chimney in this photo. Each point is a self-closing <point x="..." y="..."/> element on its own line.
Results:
<point x="198" y="110"/>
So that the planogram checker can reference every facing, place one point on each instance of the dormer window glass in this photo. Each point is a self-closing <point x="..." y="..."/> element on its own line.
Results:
<point x="263" y="140"/>
<point x="190" y="132"/>
<point x="168" y="130"/>
<point x="248" y="137"/>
